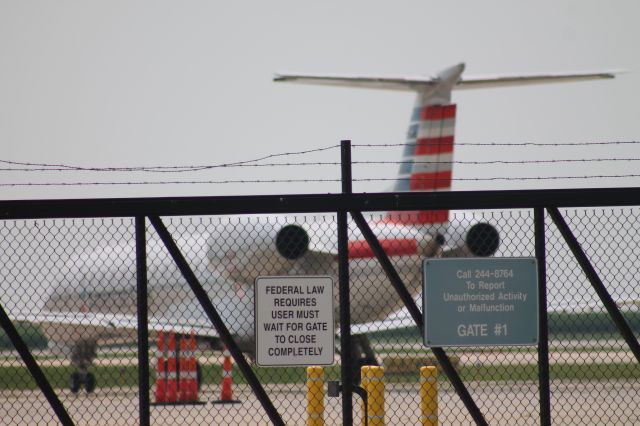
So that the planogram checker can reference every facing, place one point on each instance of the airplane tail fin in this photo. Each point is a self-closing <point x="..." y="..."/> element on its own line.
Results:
<point x="428" y="154"/>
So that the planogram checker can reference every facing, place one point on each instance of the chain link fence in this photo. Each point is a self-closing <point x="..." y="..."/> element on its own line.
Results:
<point x="70" y="287"/>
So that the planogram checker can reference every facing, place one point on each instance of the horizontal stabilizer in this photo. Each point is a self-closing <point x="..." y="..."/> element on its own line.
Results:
<point x="389" y="83"/>
<point x="524" y="80"/>
<point x="407" y="83"/>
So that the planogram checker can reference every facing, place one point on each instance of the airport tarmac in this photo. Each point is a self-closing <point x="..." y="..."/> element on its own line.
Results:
<point x="573" y="403"/>
<point x="503" y="403"/>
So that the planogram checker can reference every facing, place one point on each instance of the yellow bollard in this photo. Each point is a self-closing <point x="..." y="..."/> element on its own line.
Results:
<point x="429" y="396"/>
<point x="373" y="383"/>
<point x="315" y="396"/>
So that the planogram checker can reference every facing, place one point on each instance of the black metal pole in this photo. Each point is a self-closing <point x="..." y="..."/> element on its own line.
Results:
<point x="34" y="369"/>
<point x="543" y="321"/>
<point x="216" y="320"/>
<point x="596" y="282"/>
<point x="343" y="277"/>
<point x="143" y="322"/>
<point x="416" y="314"/>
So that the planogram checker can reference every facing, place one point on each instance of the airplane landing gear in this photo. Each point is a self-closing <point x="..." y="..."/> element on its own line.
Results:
<point x="199" y="375"/>
<point x="75" y="382"/>
<point x="78" y="379"/>
<point x="82" y="356"/>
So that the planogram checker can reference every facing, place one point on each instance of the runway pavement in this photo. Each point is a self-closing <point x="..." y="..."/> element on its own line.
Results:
<point x="574" y="403"/>
<point x="502" y="403"/>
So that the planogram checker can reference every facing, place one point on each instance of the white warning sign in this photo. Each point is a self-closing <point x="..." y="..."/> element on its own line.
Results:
<point x="294" y="320"/>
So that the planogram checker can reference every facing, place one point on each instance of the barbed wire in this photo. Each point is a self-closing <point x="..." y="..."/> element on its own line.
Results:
<point x="514" y="144"/>
<point x="41" y="167"/>
<point x="492" y="162"/>
<point x="244" y="181"/>
<point x="258" y="162"/>
<point x="65" y="167"/>
<point x="182" y="169"/>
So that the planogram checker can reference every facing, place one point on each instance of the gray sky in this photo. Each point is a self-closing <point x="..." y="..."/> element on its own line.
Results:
<point x="133" y="83"/>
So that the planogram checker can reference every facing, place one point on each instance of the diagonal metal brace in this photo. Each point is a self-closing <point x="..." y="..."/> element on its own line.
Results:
<point x="34" y="369"/>
<point x="596" y="282"/>
<point x="216" y="320"/>
<point x="413" y="309"/>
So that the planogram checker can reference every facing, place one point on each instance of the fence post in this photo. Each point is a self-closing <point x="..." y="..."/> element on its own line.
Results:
<point x="343" y="289"/>
<point x="143" y="325"/>
<point x="543" y="323"/>
<point x="315" y="396"/>
<point x="428" y="396"/>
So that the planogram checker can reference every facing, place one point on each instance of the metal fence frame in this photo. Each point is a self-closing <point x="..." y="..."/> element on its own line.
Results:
<point x="343" y="204"/>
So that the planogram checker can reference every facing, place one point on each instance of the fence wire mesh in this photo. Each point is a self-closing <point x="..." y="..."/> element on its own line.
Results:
<point x="70" y="287"/>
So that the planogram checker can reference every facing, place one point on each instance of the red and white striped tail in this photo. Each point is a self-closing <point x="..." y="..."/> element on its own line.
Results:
<point x="427" y="161"/>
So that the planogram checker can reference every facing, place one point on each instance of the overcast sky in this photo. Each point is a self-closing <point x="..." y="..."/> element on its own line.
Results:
<point x="133" y="83"/>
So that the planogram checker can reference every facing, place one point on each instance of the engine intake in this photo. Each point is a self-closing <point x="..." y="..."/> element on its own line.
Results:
<point x="292" y="242"/>
<point x="483" y="239"/>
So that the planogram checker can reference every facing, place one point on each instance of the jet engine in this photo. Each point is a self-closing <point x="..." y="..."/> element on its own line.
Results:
<point x="270" y="249"/>
<point x="292" y="242"/>
<point x="480" y="239"/>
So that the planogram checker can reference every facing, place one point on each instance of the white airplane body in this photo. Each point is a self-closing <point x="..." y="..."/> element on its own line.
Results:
<point x="97" y="298"/>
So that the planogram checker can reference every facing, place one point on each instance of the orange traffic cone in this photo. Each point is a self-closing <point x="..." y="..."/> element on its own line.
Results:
<point x="188" y="384"/>
<point x="193" y="369"/>
<point x="161" y="374"/>
<point x="226" y="393"/>
<point x="172" y="375"/>
<point x="183" y="391"/>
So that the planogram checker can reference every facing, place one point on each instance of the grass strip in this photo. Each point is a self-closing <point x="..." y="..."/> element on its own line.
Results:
<point x="18" y="377"/>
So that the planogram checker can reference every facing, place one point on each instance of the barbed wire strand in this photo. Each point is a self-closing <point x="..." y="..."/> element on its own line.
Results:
<point x="31" y="166"/>
<point x="182" y="169"/>
<point x="159" y="168"/>
<point x="515" y="144"/>
<point x="243" y="181"/>
<point x="41" y="167"/>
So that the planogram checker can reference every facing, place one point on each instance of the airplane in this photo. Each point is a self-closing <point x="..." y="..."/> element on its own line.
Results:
<point x="94" y="299"/>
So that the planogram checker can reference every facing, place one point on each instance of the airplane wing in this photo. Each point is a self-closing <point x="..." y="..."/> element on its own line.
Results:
<point x="116" y="322"/>
<point x="397" y="320"/>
